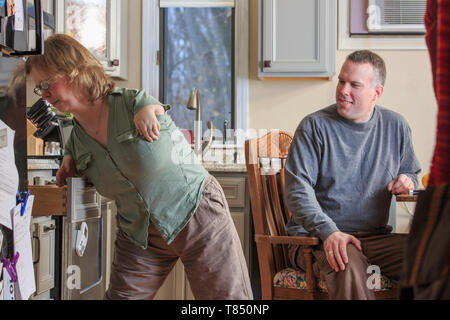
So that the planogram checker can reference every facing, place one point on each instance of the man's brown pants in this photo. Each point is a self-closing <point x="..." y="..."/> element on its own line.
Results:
<point x="382" y="250"/>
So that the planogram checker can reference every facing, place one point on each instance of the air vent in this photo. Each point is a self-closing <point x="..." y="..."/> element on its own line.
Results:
<point x="396" y="16"/>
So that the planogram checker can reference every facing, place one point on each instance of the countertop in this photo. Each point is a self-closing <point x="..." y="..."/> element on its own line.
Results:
<point x="42" y="164"/>
<point x="46" y="164"/>
<point x="225" y="167"/>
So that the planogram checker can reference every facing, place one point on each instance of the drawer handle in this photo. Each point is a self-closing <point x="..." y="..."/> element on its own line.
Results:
<point x="51" y="228"/>
<point x="38" y="249"/>
<point x="267" y="64"/>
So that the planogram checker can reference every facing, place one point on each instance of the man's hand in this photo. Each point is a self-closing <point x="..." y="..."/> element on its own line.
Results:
<point x="66" y="170"/>
<point x="335" y="247"/>
<point x="146" y="122"/>
<point x="401" y="184"/>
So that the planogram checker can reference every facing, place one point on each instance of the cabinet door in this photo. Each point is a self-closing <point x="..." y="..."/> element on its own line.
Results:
<point x="239" y="222"/>
<point x="44" y="255"/>
<point x="235" y="188"/>
<point x="298" y="38"/>
<point x="173" y="287"/>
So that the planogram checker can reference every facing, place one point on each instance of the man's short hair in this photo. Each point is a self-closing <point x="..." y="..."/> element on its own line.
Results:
<point x="366" y="56"/>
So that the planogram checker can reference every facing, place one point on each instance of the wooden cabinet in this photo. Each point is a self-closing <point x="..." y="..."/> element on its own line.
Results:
<point x="234" y="185"/>
<point x="297" y="38"/>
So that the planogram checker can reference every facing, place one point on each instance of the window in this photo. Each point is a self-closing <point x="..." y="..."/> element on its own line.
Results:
<point x="381" y="24"/>
<point x="387" y="17"/>
<point x="215" y="64"/>
<point x="101" y="26"/>
<point x="83" y="16"/>
<point x="197" y="52"/>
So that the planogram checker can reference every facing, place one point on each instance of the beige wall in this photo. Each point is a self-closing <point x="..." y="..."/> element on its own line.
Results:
<point x="408" y="90"/>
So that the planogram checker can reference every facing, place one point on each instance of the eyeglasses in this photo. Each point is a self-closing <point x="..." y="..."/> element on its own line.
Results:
<point x="43" y="85"/>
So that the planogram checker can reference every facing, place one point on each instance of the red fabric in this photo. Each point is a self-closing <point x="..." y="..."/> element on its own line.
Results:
<point x="437" y="23"/>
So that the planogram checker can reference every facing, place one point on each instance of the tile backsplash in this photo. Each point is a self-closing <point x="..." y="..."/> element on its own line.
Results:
<point x="226" y="154"/>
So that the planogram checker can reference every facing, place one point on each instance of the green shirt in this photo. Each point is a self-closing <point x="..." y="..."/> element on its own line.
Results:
<point x="161" y="181"/>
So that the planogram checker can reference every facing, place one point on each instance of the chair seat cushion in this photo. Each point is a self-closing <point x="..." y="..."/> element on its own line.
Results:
<point x="296" y="279"/>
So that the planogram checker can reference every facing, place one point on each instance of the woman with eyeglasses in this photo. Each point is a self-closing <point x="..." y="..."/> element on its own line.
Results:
<point x="168" y="206"/>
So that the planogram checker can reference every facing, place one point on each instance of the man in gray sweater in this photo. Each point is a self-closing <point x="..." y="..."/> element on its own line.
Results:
<point x="344" y="164"/>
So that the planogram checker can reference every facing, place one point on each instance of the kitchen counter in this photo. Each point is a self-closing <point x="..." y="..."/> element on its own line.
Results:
<point x="38" y="164"/>
<point x="225" y="167"/>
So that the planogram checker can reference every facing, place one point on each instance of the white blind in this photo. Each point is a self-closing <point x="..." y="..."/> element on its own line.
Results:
<point x="197" y="3"/>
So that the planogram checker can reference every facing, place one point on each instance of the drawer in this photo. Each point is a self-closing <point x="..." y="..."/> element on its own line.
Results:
<point x="49" y="200"/>
<point x="234" y="189"/>
<point x="83" y="201"/>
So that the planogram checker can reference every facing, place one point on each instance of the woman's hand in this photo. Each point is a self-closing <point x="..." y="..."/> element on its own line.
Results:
<point x="146" y="122"/>
<point x="66" y="170"/>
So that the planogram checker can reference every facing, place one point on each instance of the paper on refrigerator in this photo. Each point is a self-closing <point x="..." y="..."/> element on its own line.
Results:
<point x="22" y="245"/>
<point x="9" y="177"/>
<point x="8" y="287"/>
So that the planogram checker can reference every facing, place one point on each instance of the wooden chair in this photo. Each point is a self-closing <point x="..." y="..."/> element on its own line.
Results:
<point x="265" y="160"/>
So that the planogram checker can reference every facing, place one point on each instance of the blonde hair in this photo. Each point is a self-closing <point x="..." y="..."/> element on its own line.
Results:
<point x="65" y="56"/>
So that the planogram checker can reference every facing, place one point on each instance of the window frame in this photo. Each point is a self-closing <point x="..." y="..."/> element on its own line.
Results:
<point x="162" y="56"/>
<point x="372" y="41"/>
<point x="151" y="59"/>
<point x="116" y="31"/>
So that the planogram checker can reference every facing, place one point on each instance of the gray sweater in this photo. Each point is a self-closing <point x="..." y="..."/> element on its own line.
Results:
<point x="337" y="171"/>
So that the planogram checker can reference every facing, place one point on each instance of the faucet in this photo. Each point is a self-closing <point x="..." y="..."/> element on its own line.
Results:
<point x="207" y="143"/>
<point x="225" y="127"/>
<point x="194" y="104"/>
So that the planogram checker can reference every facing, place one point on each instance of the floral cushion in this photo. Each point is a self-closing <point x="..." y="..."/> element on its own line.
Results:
<point x="296" y="279"/>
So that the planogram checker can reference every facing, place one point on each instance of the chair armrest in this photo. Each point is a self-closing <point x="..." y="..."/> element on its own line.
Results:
<point x="303" y="241"/>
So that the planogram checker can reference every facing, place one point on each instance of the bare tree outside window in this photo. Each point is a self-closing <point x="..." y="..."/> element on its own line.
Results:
<point x="198" y="53"/>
